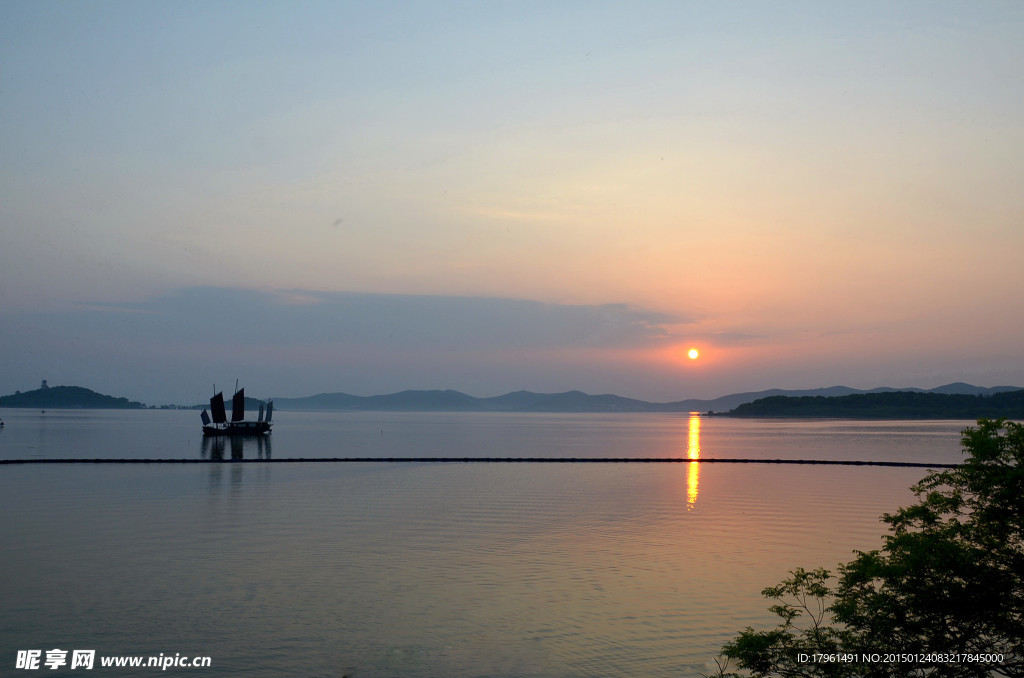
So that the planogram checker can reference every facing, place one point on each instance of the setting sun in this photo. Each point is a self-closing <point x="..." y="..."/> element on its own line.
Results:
<point x="693" y="354"/>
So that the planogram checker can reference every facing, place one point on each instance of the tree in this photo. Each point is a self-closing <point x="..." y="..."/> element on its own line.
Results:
<point x="944" y="596"/>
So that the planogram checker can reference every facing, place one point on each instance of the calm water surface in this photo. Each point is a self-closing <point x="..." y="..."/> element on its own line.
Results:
<point x="379" y="569"/>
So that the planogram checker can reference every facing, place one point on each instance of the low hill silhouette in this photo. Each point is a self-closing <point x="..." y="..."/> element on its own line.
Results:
<point x="68" y="397"/>
<point x="894" y="405"/>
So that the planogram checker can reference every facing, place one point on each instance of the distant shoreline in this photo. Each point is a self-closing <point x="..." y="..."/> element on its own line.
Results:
<point x="901" y="405"/>
<point x="67" y="398"/>
<point x="953" y="402"/>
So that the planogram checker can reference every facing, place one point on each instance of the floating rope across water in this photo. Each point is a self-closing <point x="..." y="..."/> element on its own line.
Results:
<point x="487" y="460"/>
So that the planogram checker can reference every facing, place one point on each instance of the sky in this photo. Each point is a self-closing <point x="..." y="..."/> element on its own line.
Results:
<point x="368" y="197"/>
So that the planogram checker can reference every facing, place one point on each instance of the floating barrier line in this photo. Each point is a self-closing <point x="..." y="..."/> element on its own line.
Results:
<point x="484" y="460"/>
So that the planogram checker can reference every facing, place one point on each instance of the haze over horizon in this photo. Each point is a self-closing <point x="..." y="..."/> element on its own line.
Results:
<point x="320" y="197"/>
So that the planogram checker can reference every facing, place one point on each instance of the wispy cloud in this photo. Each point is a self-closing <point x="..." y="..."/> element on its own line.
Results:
<point x="399" y="321"/>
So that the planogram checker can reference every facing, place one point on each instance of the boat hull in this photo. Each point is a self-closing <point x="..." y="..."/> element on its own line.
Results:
<point x="238" y="428"/>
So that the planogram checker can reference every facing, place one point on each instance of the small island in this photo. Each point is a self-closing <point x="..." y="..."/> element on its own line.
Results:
<point x="67" y="397"/>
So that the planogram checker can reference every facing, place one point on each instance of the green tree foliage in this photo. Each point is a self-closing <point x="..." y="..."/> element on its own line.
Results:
<point x="946" y="587"/>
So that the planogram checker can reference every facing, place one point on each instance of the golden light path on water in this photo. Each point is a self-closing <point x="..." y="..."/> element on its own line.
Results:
<point x="693" y="452"/>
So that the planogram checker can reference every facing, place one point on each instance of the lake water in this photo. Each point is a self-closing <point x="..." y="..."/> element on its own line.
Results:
<point x="417" y="569"/>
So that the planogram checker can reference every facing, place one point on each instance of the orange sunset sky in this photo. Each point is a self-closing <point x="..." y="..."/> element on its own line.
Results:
<point x="368" y="197"/>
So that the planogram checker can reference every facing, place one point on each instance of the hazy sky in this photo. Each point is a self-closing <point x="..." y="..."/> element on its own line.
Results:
<point x="488" y="196"/>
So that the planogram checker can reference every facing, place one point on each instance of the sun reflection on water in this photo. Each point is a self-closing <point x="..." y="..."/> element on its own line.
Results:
<point x="693" y="453"/>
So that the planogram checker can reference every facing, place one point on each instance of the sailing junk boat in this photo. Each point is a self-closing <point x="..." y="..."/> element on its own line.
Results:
<point x="220" y="426"/>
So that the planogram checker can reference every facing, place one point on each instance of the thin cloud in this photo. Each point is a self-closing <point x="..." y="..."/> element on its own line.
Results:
<point x="399" y="321"/>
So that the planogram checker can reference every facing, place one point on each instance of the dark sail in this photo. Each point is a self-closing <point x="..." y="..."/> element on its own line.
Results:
<point x="205" y="417"/>
<point x="238" y="405"/>
<point x="260" y="418"/>
<point x="217" y="409"/>
<point x="270" y="411"/>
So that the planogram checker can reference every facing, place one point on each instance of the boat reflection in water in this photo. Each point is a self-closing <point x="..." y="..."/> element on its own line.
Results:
<point x="215" y="448"/>
<point x="693" y="468"/>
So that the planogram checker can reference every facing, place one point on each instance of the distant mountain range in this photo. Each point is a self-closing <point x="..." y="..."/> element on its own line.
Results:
<point x="577" y="401"/>
<point x="835" y="401"/>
